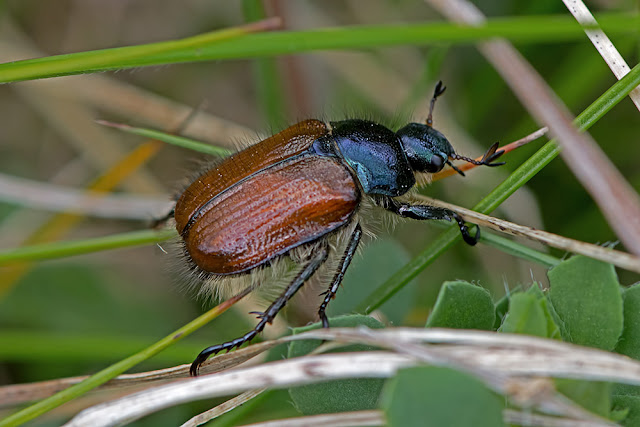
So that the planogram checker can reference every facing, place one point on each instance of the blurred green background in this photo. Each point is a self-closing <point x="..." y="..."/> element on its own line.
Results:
<point x="74" y="316"/>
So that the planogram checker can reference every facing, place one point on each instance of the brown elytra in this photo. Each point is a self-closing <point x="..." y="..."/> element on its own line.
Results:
<point x="265" y="201"/>
<point x="281" y="146"/>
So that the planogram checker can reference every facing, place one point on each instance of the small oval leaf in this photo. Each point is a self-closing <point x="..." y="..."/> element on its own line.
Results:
<point x="629" y="343"/>
<point x="594" y="396"/>
<point x="626" y="404"/>
<point x="553" y="330"/>
<point x="585" y="294"/>
<point x="434" y="396"/>
<point x="525" y="316"/>
<point x="342" y="395"/>
<point x="462" y="305"/>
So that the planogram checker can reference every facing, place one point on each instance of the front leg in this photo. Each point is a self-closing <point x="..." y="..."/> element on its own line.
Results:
<point x="422" y="212"/>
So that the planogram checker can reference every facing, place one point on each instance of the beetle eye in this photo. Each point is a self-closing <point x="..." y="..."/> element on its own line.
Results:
<point x="436" y="163"/>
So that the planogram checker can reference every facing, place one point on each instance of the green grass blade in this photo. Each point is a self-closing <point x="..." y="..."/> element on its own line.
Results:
<point x="105" y="59"/>
<point x="517" y="179"/>
<point x="24" y="346"/>
<point x="511" y="247"/>
<point x="179" y="141"/>
<point x="517" y="249"/>
<point x="270" y="91"/>
<point x="65" y="249"/>
<point x="235" y="44"/>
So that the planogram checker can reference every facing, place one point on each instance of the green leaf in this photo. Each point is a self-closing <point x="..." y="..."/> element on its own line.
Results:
<point x="629" y="343"/>
<point x="557" y="321"/>
<point x="593" y="396"/>
<point x="502" y="307"/>
<point x="585" y="294"/>
<point x="525" y="316"/>
<point x="553" y="330"/>
<point x="462" y="305"/>
<point x="342" y="395"/>
<point x="619" y="414"/>
<point x="626" y="399"/>
<point x="433" y="396"/>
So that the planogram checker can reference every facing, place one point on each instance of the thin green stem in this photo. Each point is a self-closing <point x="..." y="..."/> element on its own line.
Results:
<point x="517" y="249"/>
<point x="65" y="249"/>
<point x="511" y="247"/>
<point x="270" y="92"/>
<point x="179" y="141"/>
<point x="19" y="345"/>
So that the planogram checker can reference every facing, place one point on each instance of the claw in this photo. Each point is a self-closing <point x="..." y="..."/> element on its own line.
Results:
<point x="491" y="155"/>
<point x="464" y="230"/>
<point x="202" y="357"/>
<point x="439" y="90"/>
<point x="208" y="352"/>
<point x="259" y="314"/>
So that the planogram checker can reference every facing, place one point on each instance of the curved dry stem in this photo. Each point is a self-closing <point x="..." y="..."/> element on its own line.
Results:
<point x="620" y="259"/>
<point x="514" y="365"/>
<point x="223" y="408"/>
<point x="16" y="394"/>
<point x="342" y="419"/>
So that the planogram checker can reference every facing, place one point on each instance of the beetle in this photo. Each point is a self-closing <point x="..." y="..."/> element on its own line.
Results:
<point x="299" y="195"/>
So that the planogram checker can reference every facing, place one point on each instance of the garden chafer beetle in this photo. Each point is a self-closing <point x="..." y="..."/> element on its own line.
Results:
<point x="300" y="194"/>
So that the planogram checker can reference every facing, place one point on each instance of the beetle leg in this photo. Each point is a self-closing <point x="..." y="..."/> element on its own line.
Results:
<point x="464" y="230"/>
<point x="270" y="313"/>
<point x="422" y="212"/>
<point x="330" y="293"/>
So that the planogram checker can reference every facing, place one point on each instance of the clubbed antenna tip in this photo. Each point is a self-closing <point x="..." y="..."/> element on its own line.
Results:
<point x="439" y="90"/>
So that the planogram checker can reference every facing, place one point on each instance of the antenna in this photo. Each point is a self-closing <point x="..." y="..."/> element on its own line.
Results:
<point x="439" y="90"/>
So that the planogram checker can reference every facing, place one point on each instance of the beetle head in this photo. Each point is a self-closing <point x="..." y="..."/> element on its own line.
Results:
<point x="427" y="149"/>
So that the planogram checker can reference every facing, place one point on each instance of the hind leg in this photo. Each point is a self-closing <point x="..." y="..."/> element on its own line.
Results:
<point x="330" y="293"/>
<point x="317" y="259"/>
